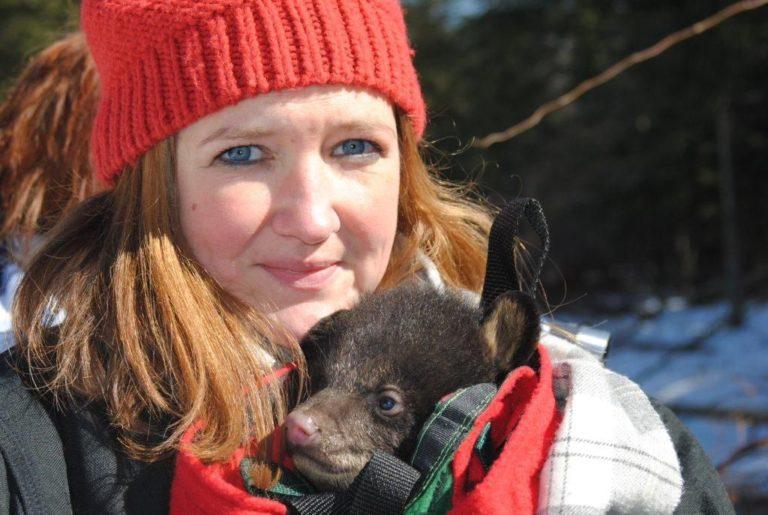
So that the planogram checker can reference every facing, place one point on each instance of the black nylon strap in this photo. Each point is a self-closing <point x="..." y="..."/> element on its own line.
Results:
<point x="500" y="273"/>
<point x="446" y="431"/>
<point x="382" y="488"/>
<point x="313" y="504"/>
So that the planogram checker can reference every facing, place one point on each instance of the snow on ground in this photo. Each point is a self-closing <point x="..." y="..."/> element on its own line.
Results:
<point x="687" y="356"/>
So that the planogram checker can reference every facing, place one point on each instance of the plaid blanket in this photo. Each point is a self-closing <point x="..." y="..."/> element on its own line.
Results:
<point x="612" y="453"/>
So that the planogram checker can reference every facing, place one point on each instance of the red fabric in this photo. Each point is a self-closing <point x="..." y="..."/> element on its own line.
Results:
<point x="164" y="64"/>
<point x="214" y="489"/>
<point x="217" y="488"/>
<point x="523" y="419"/>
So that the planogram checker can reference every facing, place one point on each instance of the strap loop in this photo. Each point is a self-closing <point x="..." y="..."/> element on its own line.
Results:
<point x="501" y="274"/>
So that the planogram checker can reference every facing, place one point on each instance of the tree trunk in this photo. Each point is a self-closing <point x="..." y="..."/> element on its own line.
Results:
<point x="730" y="228"/>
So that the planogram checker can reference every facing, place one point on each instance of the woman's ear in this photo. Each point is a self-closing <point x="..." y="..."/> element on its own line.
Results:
<point x="511" y="330"/>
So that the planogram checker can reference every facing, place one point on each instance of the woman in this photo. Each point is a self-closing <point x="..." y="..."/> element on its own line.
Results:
<point x="45" y="122"/>
<point x="266" y="172"/>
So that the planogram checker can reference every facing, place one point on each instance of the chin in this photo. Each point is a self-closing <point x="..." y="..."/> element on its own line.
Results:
<point x="299" y="319"/>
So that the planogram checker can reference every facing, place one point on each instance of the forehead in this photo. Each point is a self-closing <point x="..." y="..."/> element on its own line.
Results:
<point x="310" y="109"/>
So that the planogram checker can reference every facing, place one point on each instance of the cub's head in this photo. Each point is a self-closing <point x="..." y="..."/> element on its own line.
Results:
<point x="377" y="370"/>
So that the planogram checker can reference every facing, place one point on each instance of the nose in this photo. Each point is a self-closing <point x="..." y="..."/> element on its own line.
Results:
<point x="305" y="207"/>
<point x="301" y="430"/>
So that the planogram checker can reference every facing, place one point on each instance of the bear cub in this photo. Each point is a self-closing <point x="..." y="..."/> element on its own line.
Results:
<point x="377" y="370"/>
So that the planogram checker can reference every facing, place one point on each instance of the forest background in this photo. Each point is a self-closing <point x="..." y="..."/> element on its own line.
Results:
<point x="654" y="183"/>
<point x="629" y="175"/>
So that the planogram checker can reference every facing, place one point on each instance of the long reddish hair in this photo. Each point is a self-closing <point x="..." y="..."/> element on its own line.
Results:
<point x="45" y="125"/>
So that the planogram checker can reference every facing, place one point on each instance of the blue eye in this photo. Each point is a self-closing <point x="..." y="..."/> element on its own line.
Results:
<point x="355" y="147"/>
<point x="242" y="155"/>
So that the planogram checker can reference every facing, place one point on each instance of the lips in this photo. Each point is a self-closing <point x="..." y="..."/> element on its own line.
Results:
<point x="302" y="275"/>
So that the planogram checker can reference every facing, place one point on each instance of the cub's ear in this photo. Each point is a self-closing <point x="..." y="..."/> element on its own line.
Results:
<point x="511" y="330"/>
<point x="320" y="335"/>
<point x="319" y="343"/>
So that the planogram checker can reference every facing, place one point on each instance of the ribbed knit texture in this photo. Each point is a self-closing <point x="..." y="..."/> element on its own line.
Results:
<point x="164" y="64"/>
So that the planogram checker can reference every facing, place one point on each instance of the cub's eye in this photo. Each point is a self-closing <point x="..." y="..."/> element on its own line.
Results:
<point x="389" y="403"/>
<point x="246" y="154"/>
<point x="355" y="147"/>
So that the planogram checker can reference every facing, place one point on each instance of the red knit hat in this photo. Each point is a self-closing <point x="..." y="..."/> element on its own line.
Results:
<point x="164" y="64"/>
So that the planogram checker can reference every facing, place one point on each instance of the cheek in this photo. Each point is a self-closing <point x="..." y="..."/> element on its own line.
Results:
<point x="218" y="222"/>
<point x="369" y="225"/>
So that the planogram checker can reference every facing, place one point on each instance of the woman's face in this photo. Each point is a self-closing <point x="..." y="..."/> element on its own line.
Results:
<point x="289" y="199"/>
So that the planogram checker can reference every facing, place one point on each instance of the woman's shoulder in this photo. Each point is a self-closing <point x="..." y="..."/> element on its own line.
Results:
<point x="71" y="461"/>
<point x="107" y="480"/>
<point x="704" y="491"/>
<point x="34" y="470"/>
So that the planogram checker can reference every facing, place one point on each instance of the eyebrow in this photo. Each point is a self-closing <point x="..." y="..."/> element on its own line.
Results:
<point x="233" y="132"/>
<point x="230" y="132"/>
<point x="365" y="125"/>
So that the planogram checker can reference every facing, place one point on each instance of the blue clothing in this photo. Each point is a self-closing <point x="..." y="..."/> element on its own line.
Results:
<point x="11" y="277"/>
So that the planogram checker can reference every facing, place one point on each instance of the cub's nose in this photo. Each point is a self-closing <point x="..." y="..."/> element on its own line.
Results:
<point x="301" y="430"/>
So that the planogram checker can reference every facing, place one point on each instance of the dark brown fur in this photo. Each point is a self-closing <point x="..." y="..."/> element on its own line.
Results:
<point x="410" y="340"/>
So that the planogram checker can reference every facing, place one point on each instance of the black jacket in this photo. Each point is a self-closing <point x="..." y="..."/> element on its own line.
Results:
<point x="87" y="474"/>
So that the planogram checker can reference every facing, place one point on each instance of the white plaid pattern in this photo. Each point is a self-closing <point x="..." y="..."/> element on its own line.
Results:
<point x="612" y="453"/>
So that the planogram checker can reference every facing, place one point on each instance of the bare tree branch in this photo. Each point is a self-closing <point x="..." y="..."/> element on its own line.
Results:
<point x="745" y="415"/>
<point x="742" y="452"/>
<point x="618" y="68"/>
